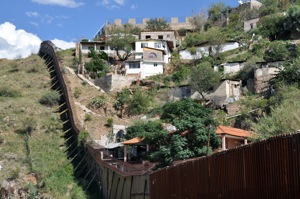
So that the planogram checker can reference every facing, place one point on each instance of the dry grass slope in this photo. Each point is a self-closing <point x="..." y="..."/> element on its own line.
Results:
<point x="30" y="133"/>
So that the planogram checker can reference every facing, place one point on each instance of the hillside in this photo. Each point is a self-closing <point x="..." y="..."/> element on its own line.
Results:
<point x="32" y="151"/>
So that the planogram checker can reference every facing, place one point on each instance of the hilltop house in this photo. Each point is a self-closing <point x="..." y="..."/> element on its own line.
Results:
<point x="150" y="56"/>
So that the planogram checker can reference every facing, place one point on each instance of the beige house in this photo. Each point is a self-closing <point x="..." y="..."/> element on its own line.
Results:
<point x="160" y="35"/>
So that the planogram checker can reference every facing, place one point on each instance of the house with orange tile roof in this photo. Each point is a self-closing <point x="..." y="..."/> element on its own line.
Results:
<point x="232" y="137"/>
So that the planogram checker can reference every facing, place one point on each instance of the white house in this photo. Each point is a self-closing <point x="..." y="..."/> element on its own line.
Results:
<point x="231" y="67"/>
<point x="150" y="57"/>
<point x="203" y="50"/>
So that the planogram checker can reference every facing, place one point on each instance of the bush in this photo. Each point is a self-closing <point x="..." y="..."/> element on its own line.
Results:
<point x="82" y="135"/>
<point x="276" y="51"/>
<point x="110" y="122"/>
<point x="77" y="92"/>
<point x="8" y="92"/>
<point x="97" y="102"/>
<point x="87" y="117"/>
<point x="51" y="98"/>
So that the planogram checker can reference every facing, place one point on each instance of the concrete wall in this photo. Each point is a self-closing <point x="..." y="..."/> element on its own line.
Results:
<point x="114" y="82"/>
<point x="250" y="24"/>
<point x="175" y="22"/>
<point x="204" y="50"/>
<point x="262" y="77"/>
<point x="232" y="68"/>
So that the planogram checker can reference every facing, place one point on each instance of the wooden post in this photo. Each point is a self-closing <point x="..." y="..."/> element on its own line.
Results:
<point x="245" y="141"/>
<point x="223" y="142"/>
<point x="125" y="153"/>
<point x="208" y="139"/>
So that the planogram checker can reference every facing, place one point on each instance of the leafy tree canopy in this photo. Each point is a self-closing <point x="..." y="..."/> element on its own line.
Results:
<point x="121" y="39"/>
<point x="157" y="24"/>
<point x="203" y="78"/>
<point x="189" y="115"/>
<point x="289" y="75"/>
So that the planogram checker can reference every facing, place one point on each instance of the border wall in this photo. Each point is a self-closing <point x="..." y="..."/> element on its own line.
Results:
<point x="109" y="177"/>
<point x="265" y="169"/>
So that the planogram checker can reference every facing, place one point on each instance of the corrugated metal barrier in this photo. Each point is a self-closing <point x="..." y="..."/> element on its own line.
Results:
<point x="265" y="169"/>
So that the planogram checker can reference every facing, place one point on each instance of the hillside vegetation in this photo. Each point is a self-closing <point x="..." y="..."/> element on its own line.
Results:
<point x="32" y="150"/>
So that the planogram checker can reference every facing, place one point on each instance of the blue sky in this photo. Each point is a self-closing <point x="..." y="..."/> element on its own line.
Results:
<point x="70" y="20"/>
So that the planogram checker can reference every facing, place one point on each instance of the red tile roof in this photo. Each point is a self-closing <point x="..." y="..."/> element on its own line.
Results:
<point x="135" y="140"/>
<point x="232" y="131"/>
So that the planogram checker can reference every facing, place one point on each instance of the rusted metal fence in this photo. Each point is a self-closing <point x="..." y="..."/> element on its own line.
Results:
<point x="266" y="169"/>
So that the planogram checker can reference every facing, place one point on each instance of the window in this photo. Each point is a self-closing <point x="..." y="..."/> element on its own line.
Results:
<point x="168" y="36"/>
<point x="157" y="45"/>
<point x="134" y="65"/>
<point x="152" y="55"/>
<point x="160" y="37"/>
<point x="148" y="36"/>
<point x="144" y="45"/>
<point x="251" y="25"/>
<point x="155" y="64"/>
<point x="102" y="48"/>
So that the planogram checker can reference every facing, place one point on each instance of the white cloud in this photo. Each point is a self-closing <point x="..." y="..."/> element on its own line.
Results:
<point x="17" y="43"/>
<point x="133" y="7"/>
<point x="111" y="5"/>
<point x="34" y="24"/>
<point x="32" y="14"/>
<point x="63" y="44"/>
<point x="65" y="3"/>
<point x="120" y="2"/>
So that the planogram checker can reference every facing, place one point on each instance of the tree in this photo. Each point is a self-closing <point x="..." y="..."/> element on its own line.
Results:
<point x="198" y="21"/>
<point x="121" y="40"/>
<point x="293" y="18"/>
<point x="289" y="74"/>
<point x="203" y="78"/>
<point x="157" y="24"/>
<point x="276" y="51"/>
<point x="271" y="26"/>
<point x="193" y="39"/>
<point x="216" y="39"/>
<point x="123" y="98"/>
<point x="191" y="117"/>
<point x="139" y="102"/>
<point x="215" y="10"/>
<point x="97" y="65"/>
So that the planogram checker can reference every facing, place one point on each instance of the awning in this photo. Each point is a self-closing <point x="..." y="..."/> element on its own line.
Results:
<point x="114" y="145"/>
<point x="136" y="140"/>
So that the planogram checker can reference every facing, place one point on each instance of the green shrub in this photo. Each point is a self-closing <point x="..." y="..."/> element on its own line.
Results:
<point x="97" y="102"/>
<point x="51" y="98"/>
<point x="33" y="69"/>
<point x="77" y="92"/>
<point x="1" y="140"/>
<point x="110" y="122"/>
<point x="87" y="117"/>
<point x="8" y="92"/>
<point x="15" y="172"/>
<point x="82" y="135"/>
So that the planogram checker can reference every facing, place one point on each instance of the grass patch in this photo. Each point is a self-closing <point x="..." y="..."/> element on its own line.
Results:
<point x="8" y="92"/>
<point x="31" y="133"/>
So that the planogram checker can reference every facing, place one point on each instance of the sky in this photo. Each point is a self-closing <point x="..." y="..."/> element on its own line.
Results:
<point x="24" y="24"/>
